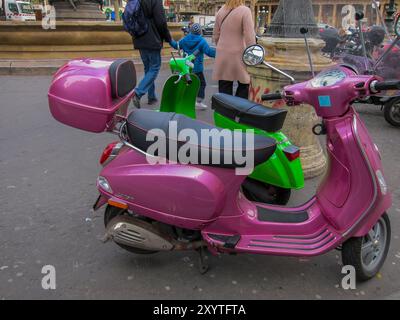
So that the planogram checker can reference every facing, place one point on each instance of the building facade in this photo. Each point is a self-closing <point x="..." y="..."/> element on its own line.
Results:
<point x="329" y="12"/>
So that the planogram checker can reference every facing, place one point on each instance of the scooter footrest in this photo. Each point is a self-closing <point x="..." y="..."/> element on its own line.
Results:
<point x="301" y="245"/>
<point x="267" y="215"/>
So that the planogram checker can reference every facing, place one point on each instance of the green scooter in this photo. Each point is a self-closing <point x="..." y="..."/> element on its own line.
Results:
<point x="270" y="182"/>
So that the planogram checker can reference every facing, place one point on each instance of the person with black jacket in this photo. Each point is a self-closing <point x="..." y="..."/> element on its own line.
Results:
<point x="150" y="46"/>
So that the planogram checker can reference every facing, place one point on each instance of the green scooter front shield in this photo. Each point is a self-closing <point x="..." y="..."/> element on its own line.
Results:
<point x="179" y="96"/>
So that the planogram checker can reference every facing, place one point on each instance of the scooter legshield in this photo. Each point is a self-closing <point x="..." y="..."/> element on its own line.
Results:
<point x="278" y="170"/>
<point x="180" y="97"/>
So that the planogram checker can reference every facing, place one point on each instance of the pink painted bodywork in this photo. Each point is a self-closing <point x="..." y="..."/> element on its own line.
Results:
<point x="80" y="96"/>
<point x="348" y="202"/>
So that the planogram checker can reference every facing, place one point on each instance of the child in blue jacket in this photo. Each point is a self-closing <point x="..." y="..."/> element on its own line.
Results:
<point x="192" y="42"/>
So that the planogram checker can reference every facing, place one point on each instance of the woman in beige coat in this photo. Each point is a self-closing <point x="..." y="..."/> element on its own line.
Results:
<point x="233" y="33"/>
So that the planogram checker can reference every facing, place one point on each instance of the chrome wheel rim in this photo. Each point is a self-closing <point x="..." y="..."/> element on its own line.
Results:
<point x="373" y="246"/>
<point x="395" y="112"/>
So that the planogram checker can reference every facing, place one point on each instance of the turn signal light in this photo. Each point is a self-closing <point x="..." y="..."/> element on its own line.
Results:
<point x="292" y="153"/>
<point x="117" y="204"/>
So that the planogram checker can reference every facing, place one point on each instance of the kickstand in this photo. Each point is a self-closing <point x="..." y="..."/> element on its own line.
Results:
<point x="203" y="265"/>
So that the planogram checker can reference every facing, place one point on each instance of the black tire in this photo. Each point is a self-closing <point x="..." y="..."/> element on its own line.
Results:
<point x="273" y="195"/>
<point x="352" y="253"/>
<point x="392" y="112"/>
<point x="112" y="212"/>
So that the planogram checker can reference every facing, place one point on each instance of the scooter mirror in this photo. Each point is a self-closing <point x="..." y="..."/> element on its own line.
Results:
<point x="254" y="55"/>
<point x="397" y="25"/>
<point x="359" y="15"/>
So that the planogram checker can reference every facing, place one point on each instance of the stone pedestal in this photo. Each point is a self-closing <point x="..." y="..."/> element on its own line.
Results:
<point x="289" y="54"/>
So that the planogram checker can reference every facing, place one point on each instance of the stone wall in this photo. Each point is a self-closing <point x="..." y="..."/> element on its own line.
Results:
<point x="29" y="41"/>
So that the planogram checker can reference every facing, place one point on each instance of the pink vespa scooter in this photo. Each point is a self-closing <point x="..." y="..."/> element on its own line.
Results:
<point x="175" y="206"/>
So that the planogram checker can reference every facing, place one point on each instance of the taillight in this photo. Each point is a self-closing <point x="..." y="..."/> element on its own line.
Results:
<point x="292" y="153"/>
<point x="107" y="152"/>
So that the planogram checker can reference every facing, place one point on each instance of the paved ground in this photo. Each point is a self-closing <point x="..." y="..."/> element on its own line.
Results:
<point x="48" y="173"/>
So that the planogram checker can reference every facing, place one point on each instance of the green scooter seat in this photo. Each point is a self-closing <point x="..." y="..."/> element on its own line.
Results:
<point x="249" y="113"/>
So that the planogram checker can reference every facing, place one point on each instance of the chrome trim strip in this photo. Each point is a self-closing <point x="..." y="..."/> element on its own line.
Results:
<point x="304" y="248"/>
<point x="283" y="141"/>
<point x="302" y="238"/>
<point x="126" y="143"/>
<point x="314" y="241"/>
<point x="372" y="175"/>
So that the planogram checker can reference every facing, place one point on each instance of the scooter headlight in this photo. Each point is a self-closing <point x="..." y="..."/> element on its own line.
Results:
<point x="103" y="183"/>
<point x="382" y="182"/>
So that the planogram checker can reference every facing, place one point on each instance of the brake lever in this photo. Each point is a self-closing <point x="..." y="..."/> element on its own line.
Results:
<point x="179" y="79"/>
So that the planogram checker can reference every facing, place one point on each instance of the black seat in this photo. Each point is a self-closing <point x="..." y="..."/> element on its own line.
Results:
<point x="123" y="78"/>
<point x="141" y="122"/>
<point x="249" y="113"/>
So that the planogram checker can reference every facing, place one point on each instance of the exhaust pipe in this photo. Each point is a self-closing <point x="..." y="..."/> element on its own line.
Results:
<point x="136" y="233"/>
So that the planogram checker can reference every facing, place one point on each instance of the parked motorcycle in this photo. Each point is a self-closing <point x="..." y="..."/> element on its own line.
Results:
<point x="169" y="206"/>
<point x="382" y="60"/>
<point x="272" y="181"/>
<point x="337" y="45"/>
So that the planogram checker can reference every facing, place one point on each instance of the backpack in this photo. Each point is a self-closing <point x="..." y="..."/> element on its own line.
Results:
<point x="135" y="21"/>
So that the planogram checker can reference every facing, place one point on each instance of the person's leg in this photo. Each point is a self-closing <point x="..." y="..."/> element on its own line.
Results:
<point x="152" y="63"/>
<point x="226" y="87"/>
<point x="139" y="88"/>
<point x="203" y="84"/>
<point x="151" y="93"/>
<point x="202" y="92"/>
<point x="243" y="90"/>
<point x="154" y="69"/>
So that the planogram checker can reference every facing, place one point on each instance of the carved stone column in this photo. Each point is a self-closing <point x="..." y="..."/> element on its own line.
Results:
<point x="286" y="50"/>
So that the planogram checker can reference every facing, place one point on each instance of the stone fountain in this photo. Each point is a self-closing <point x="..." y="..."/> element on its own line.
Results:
<point x="286" y="50"/>
<point x="79" y="30"/>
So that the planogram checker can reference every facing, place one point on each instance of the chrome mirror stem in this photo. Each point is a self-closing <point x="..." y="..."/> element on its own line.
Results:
<point x="292" y="80"/>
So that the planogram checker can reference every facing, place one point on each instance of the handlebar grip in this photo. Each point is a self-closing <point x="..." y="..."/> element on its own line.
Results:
<point x="387" y="85"/>
<point x="188" y="78"/>
<point x="271" y="97"/>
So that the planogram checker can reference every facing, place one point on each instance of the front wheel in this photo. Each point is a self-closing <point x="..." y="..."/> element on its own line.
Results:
<point x="392" y="112"/>
<point x="368" y="254"/>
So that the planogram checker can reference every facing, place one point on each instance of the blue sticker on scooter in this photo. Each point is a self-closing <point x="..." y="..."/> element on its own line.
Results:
<point x="325" y="101"/>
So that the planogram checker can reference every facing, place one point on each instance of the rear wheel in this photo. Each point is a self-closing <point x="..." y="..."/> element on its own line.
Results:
<point x="368" y="254"/>
<point x="270" y="195"/>
<point x="392" y="112"/>
<point x="111" y="213"/>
